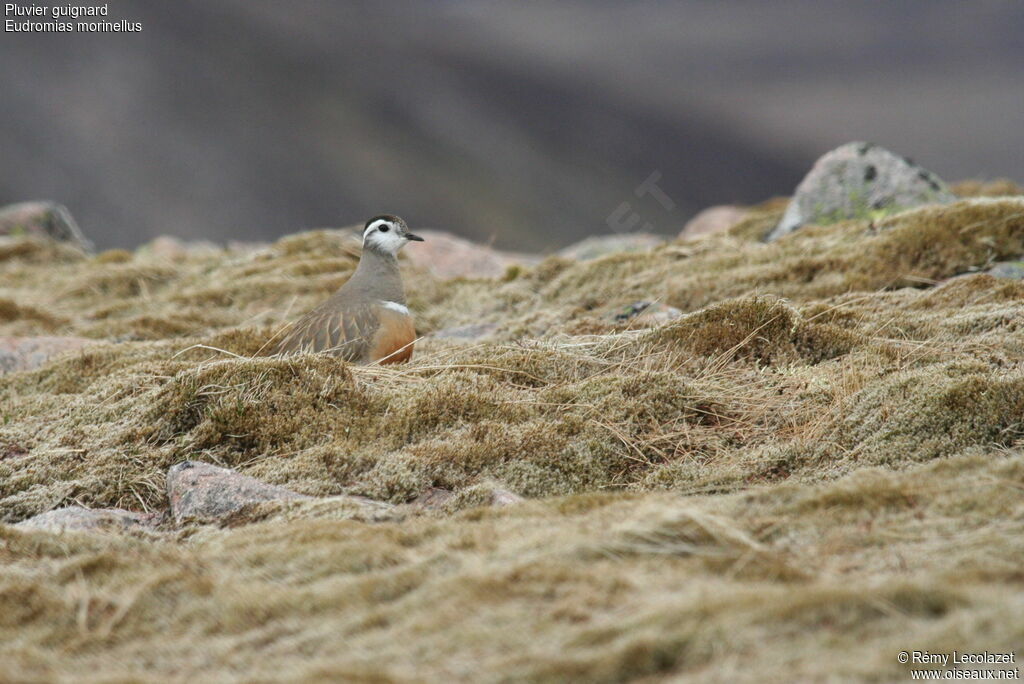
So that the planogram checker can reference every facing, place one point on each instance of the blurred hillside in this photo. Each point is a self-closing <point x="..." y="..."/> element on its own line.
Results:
<point x="524" y="123"/>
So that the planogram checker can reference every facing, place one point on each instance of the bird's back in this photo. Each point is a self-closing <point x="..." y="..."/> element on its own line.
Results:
<point x="366" y="321"/>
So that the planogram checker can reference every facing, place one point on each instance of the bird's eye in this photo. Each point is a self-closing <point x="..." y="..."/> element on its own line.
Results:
<point x="384" y="228"/>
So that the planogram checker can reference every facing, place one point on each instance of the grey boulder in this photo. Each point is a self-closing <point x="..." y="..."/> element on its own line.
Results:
<point x="44" y="219"/>
<point x="859" y="180"/>
<point x="1010" y="270"/>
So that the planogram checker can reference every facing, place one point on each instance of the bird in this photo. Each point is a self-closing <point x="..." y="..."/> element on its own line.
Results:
<point x="366" y="321"/>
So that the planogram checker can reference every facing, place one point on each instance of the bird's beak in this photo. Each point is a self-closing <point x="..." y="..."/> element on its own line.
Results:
<point x="414" y="238"/>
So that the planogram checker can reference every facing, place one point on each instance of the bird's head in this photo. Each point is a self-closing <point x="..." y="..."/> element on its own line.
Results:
<point x="387" y="234"/>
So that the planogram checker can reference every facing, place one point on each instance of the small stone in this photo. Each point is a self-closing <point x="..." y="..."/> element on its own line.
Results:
<point x="1011" y="270"/>
<point x="601" y="245"/>
<point x="12" y="452"/>
<point x="44" y="219"/>
<point x="77" y="518"/>
<point x="503" y="497"/>
<point x="474" y="331"/>
<point x="653" y="313"/>
<point x="860" y="181"/>
<point x="206" y="492"/>
<point x="433" y="499"/>
<point x="28" y="353"/>
<point x="174" y="249"/>
<point x="713" y="220"/>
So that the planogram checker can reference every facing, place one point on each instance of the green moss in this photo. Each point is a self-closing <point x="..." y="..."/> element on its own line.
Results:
<point x="932" y="413"/>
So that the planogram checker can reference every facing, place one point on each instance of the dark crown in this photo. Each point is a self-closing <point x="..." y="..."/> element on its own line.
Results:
<point x="383" y="217"/>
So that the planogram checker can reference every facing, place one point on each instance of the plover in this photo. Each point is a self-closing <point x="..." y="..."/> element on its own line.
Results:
<point x="366" y="320"/>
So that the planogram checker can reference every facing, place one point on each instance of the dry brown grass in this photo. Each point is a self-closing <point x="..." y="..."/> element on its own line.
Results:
<point x="816" y="467"/>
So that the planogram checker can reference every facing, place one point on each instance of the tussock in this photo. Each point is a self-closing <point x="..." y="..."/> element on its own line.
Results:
<point x="816" y="466"/>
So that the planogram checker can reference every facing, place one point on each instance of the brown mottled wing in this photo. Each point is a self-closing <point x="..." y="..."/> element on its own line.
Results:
<point x="346" y="332"/>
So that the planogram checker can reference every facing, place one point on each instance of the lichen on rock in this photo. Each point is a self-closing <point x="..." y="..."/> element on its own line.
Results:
<point x="860" y="180"/>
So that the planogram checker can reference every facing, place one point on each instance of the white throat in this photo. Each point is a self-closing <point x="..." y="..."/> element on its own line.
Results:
<point x="388" y="242"/>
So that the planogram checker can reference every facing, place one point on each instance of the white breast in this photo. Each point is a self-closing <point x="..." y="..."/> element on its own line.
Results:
<point x="395" y="306"/>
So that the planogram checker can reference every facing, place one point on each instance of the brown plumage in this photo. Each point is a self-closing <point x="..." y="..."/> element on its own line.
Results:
<point x="366" y="321"/>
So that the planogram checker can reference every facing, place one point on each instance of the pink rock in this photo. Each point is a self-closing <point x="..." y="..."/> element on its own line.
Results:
<point x="175" y="249"/>
<point x="27" y="353"/>
<point x="433" y="499"/>
<point x="449" y="256"/>
<point x="206" y="492"/>
<point x="713" y="220"/>
<point x="78" y="518"/>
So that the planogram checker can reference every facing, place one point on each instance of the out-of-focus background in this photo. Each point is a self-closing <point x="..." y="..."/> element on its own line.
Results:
<point x="524" y="124"/>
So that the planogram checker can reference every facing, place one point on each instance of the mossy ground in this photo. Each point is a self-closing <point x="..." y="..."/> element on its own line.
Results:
<point x="818" y="466"/>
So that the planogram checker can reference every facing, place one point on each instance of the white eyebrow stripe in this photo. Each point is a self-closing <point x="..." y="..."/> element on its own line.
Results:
<point x="395" y="306"/>
<point x="375" y="224"/>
